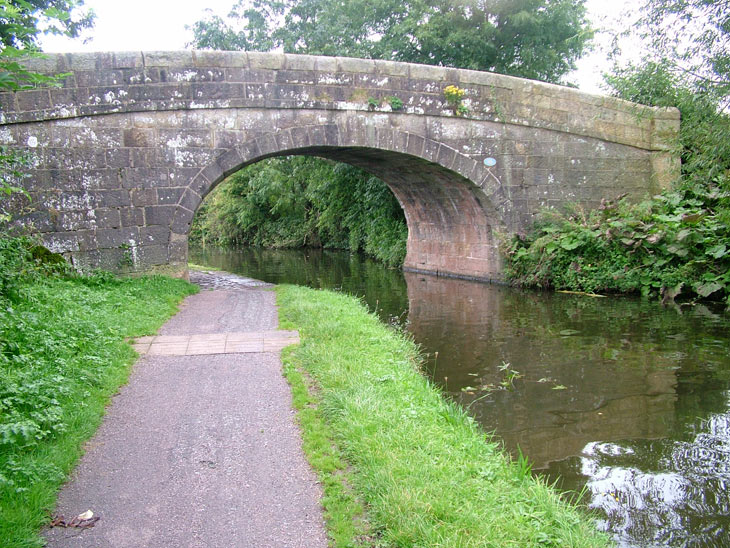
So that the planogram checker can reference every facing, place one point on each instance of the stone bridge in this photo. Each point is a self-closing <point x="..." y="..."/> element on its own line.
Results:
<point x="125" y="151"/>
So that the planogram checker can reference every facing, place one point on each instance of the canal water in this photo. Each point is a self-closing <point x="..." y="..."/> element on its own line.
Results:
<point x="618" y="398"/>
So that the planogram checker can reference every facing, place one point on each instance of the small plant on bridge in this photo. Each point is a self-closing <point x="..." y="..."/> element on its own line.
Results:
<point x="454" y="96"/>
<point x="395" y="103"/>
<point x="373" y="103"/>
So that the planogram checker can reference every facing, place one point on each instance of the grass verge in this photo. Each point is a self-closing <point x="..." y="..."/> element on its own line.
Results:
<point x="62" y="356"/>
<point x="420" y="468"/>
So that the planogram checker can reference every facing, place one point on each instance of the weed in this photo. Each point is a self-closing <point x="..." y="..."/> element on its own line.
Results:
<point x="395" y="103"/>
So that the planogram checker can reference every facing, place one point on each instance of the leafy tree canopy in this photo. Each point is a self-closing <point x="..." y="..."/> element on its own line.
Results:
<point x="22" y="23"/>
<point x="539" y="39"/>
<point x="691" y="40"/>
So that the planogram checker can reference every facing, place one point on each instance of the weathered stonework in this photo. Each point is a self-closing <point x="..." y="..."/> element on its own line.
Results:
<point x="126" y="150"/>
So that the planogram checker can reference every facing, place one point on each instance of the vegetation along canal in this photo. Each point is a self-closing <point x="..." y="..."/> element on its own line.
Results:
<point x="619" y="396"/>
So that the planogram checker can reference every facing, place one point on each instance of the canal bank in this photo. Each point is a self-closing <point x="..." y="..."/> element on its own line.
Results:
<point x="427" y="474"/>
<point x="620" y="398"/>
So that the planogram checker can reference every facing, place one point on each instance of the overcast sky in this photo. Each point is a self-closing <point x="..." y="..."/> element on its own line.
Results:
<point x="160" y="25"/>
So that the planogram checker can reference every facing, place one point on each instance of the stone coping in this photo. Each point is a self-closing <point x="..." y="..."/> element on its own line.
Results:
<point x="215" y="343"/>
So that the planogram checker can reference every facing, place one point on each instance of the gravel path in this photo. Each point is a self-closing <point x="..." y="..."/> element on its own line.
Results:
<point x="199" y="451"/>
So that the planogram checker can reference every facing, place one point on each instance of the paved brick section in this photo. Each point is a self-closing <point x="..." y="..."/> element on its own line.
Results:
<point x="215" y="343"/>
<point x="200" y="449"/>
<point x="124" y="153"/>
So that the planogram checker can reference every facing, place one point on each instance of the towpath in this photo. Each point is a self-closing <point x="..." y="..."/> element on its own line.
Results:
<point x="200" y="448"/>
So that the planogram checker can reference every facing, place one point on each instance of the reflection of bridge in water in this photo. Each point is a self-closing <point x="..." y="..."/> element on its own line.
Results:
<point x="614" y="387"/>
<point x="643" y="421"/>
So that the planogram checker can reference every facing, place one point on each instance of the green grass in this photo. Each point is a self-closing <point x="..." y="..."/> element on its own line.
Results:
<point x="62" y="356"/>
<point x="415" y="470"/>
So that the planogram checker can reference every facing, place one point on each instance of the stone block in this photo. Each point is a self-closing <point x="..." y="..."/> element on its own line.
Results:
<point x="139" y="137"/>
<point x="190" y="200"/>
<point x="168" y="58"/>
<point x="151" y="255"/>
<point x="117" y="158"/>
<point x="227" y="163"/>
<point x="117" y="237"/>
<point x="155" y="234"/>
<point x="259" y="60"/>
<point x="182" y="220"/>
<point x="159" y="215"/>
<point x="446" y="156"/>
<point x="31" y="100"/>
<point x="131" y="216"/>
<point x="7" y="103"/>
<point x="144" y="196"/>
<point x="217" y="59"/>
<point x="81" y="61"/>
<point x="108" y="218"/>
<point x="300" y="62"/>
<point x="416" y="144"/>
<point x="300" y="137"/>
<point x="126" y="60"/>
<point x="392" y="68"/>
<point x="112" y="198"/>
<point x="176" y="138"/>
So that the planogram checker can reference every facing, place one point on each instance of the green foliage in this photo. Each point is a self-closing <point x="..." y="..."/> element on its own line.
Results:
<point x="677" y="242"/>
<point x="62" y="355"/>
<point x="22" y="22"/>
<point x="12" y="172"/>
<point x="704" y="139"/>
<point x="23" y="260"/>
<point x="420" y="466"/>
<point x="395" y="103"/>
<point x="302" y="201"/>
<point x="691" y="38"/>
<point x="537" y="39"/>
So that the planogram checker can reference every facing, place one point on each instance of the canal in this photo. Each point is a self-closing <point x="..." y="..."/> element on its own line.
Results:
<point x="618" y="398"/>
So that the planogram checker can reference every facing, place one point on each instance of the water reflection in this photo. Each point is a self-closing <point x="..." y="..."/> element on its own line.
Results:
<point x="577" y="383"/>
<point x="621" y="397"/>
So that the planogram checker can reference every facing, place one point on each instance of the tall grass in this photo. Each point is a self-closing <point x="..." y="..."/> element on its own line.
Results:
<point x="424" y="473"/>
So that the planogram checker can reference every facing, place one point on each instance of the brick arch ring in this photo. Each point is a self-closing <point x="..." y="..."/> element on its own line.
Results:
<point x="453" y="205"/>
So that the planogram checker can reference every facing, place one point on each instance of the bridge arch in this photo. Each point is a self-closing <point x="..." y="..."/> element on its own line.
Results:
<point x="452" y="223"/>
<point x="125" y="151"/>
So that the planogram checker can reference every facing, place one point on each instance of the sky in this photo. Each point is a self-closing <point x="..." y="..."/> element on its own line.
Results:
<point x="149" y="25"/>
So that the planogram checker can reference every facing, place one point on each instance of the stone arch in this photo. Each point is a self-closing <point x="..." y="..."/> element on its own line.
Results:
<point x="451" y="219"/>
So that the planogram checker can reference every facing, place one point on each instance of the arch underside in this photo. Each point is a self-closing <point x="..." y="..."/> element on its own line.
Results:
<point x="450" y="222"/>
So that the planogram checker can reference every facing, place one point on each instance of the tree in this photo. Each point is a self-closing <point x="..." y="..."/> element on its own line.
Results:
<point x="692" y="38"/>
<point x="686" y="65"/>
<point x="22" y="22"/>
<point x="538" y="39"/>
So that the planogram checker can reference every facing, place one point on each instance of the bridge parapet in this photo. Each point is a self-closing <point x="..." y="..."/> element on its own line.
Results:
<point x="103" y="83"/>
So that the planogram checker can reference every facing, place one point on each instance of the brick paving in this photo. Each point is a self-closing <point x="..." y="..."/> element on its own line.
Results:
<point x="215" y="343"/>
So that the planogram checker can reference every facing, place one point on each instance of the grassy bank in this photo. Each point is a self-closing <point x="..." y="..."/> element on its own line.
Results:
<point x="415" y="470"/>
<point x="62" y="356"/>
